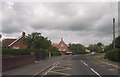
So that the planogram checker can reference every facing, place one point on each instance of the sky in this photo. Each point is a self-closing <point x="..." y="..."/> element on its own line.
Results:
<point x="76" y="22"/>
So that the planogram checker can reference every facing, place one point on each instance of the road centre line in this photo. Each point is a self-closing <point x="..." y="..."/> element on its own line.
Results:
<point x="91" y="69"/>
<point x="96" y="72"/>
<point x="84" y="63"/>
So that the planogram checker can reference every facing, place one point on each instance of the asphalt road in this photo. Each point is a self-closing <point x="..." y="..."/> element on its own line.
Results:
<point x="65" y="66"/>
<point x="80" y="66"/>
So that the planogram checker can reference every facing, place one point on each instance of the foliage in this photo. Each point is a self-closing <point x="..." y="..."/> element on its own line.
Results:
<point x="37" y="41"/>
<point x="95" y="47"/>
<point x="77" y="48"/>
<point x="39" y="54"/>
<point x="16" y="52"/>
<point x="99" y="44"/>
<point x="54" y="51"/>
<point x="108" y="47"/>
<point x="117" y="42"/>
<point x="113" y="55"/>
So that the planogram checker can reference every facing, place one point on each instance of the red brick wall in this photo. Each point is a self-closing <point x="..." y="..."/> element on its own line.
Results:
<point x="19" y="44"/>
<point x="12" y="62"/>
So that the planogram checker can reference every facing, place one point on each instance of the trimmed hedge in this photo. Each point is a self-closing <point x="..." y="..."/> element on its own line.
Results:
<point x="113" y="55"/>
<point x="39" y="54"/>
<point x="16" y="52"/>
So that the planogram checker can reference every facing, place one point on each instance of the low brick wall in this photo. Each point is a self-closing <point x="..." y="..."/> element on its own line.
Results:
<point x="12" y="62"/>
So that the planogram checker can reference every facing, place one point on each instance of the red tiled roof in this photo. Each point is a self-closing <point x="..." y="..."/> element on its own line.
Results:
<point x="7" y="42"/>
<point x="10" y="42"/>
<point x="55" y="45"/>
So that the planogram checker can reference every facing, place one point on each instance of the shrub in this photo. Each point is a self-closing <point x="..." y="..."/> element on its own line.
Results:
<point x="16" y="52"/>
<point x="113" y="55"/>
<point x="40" y="54"/>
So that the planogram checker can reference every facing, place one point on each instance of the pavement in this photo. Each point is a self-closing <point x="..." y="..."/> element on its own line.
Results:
<point x="66" y="66"/>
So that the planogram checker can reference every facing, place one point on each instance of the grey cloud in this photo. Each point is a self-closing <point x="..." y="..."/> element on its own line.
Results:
<point x="85" y="18"/>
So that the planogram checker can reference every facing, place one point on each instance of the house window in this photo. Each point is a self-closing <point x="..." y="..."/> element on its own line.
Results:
<point x="59" y="49"/>
<point x="62" y="45"/>
<point x="64" y="49"/>
<point x="15" y="47"/>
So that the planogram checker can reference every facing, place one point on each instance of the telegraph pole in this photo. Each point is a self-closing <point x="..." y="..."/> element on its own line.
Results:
<point x="114" y="33"/>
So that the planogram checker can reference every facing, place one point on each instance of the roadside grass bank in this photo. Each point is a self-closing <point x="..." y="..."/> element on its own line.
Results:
<point x="100" y="57"/>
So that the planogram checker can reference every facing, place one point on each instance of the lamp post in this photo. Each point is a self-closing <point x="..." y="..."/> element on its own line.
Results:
<point x="114" y="33"/>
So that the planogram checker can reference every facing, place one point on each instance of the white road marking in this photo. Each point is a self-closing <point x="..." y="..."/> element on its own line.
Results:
<point x="91" y="69"/>
<point x="49" y="70"/>
<point x="96" y="72"/>
<point x="45" y="68"/>
<point x="54" y="65"/>
<point x="111" y="69"/>
<point x="84" y="63"/>
<point x="109" y="64"/>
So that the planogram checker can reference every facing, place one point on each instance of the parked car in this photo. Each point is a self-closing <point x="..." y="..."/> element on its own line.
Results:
<point x="93" y="53"/>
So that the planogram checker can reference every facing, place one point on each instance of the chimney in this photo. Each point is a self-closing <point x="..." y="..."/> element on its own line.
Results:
<point x="23" y="34"/>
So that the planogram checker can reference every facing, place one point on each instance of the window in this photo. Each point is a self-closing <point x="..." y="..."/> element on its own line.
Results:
<point x="62" y="45"/>
<point x="59" y="49"/>
<point x="15" y="47"/>
<point x="64" y="49"/>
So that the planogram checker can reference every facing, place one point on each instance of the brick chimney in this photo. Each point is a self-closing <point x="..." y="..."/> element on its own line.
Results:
<point x="23" y="34"/>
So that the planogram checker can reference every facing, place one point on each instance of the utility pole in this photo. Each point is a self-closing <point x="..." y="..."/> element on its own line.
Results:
<point x="114" y="33"/>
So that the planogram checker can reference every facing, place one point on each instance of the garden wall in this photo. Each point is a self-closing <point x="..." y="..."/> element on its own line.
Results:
<point x="16" y="61"/>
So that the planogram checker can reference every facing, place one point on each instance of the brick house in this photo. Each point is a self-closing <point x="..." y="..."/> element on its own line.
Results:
<point x="14" y="43"/>
<point x="62" y="46"/>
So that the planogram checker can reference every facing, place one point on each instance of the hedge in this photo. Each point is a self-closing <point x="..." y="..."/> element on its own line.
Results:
<point x="39" y="54"/>
<point x="16" y="52"/>
<point x="113" y="55"/>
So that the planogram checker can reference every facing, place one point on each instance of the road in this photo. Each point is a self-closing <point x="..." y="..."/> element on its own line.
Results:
<point x="66" y="66"/>
<point x="81" y="66"/>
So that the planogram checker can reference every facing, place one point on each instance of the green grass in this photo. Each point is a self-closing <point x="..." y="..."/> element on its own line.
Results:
<point x="100" y="57"/>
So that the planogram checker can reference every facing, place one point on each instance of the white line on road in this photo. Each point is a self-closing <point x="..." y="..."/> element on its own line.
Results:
<point x="91" y="69"/>
<point x="45" y="69"/>
<point x="96" y="72"/>
<point x="54" y="65"/>
<point x="84" y="63"/>
<point x="110" y="64"/>
<point x="49" y="70"/>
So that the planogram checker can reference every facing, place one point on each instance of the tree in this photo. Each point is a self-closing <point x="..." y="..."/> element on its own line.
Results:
<point x="95" y="47"/>
<point x="77" y="48"/>
<point x="0" y="36"/>
<point x="117" y="42"/>
<point x="37" y="41"/>
<point x="99" y="44"/>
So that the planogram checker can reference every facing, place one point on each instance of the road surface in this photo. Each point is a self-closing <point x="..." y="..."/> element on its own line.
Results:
<point x="81" y="66"/>
<point x="66" y="66"/>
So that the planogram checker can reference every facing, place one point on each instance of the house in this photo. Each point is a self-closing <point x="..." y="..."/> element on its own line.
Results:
<point x="62" y="46"/>
<point x="14" y="43"/>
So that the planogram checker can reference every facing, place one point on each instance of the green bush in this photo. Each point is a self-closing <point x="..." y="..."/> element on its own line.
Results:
<point x="55" y="53"/>
<point x="40" y="54"/>
<point x="16" y="52"/>
<point x="113" y="55"/>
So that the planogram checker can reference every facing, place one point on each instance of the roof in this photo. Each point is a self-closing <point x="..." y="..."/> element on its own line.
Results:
<point x="7" y="42"/>
<point x="62" y="42"/>
<point x="15" y="41"/>
<point x="10" y="42"/>
<point x="55" y="45"/>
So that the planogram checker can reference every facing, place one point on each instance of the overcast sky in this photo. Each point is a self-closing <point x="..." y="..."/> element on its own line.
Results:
<point x="75" y="22"/>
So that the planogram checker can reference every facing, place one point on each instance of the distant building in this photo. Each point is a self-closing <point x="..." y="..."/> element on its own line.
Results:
<point x="62" y="46"/>
<point x="14" y="43"/>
